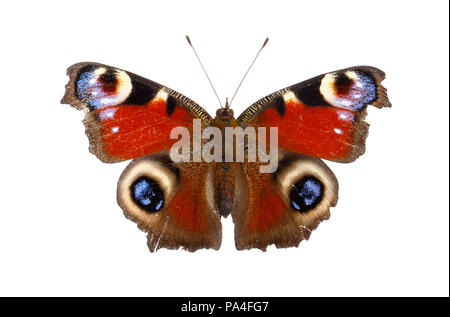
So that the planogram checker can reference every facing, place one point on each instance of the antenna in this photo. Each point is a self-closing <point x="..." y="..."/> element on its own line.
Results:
<point x="239" y="86"/>
<point x="210" y="82"/>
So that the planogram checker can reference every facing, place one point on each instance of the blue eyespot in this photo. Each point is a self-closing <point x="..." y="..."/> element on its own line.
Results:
<point x="306" y="194"/>
<point x="147" y="194"/>
<point x="365" y="91"/>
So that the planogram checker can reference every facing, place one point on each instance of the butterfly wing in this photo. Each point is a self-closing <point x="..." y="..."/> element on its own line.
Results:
<point x="323" y="116"/>
<point x="130" y="117"/>
<point x="284" y="207"/>
<point x="320" y="118"/>
<point x="127" y="116"/>
<point x="172" y="202"/>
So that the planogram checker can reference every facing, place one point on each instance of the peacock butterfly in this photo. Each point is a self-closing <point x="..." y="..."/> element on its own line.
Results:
<point x="180" y="203"/>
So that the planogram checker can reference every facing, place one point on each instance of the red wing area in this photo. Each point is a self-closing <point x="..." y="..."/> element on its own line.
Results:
<point x="128" y="131"/>
<point x="323" y="116"/>
<point x="187" y="210"/>
<point x="189" y="219"/>
<point x="262" y="218"/>
<point x="325" y="132"/>
<point x="267" y="206"/>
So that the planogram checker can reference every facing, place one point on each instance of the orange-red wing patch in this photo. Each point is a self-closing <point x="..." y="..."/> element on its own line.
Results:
<point x="190" y="219"/>
<point x="129" y="131"/>
<point x="187" y="207"/>
<point x="326" y="132"/>
<point x="263" y="218"/>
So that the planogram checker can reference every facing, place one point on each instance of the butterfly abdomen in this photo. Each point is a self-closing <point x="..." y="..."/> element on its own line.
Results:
<point x="225" y="187"/>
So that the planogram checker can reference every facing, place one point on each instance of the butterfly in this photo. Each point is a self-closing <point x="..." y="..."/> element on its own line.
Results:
<point x="180" y="204"/>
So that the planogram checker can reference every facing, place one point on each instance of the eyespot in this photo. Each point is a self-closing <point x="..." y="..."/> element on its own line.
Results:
<point x="101" y="87"/>
<point x="306" y="193"/>
<point x="146" y="187"/>
<point x="147" y="194"/>
<point x="348" y="90"/>
<point x="307" y="186"/>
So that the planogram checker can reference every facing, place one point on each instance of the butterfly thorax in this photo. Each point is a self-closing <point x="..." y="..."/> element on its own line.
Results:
<point x="224" y="114"/>
<point x="224" y="118"/>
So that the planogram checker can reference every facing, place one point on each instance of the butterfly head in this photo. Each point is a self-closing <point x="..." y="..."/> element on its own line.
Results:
<point x="225" y="113"/>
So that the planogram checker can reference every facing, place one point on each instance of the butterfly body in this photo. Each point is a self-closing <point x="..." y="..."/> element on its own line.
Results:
<point x="180" y="203"/>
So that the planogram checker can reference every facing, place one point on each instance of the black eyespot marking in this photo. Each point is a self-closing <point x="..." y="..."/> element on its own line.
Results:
<point x="280" y="105"/>
<point x="309" y="93"/>
<point x="306" y="194"/>
<point x="147" y="194"/>
<point x="171" y="103"/>
<point x="108" y="81"/>
<point x="141" y="93"/>
<point x="342" y="84"/>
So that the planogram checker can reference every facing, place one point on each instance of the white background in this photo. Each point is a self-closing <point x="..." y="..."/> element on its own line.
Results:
<point x="61" y="231"/>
